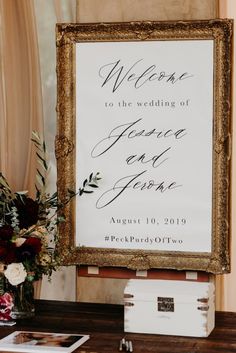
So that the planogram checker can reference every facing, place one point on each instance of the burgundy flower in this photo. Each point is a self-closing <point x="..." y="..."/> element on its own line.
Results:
<point x="7" y="252"/>
<point x="35" y="243"/>
<point x="28" y="210"/>
<point x="6" y="232"/>
<point x="3" y="250"/>
<point x="29" y="249"/>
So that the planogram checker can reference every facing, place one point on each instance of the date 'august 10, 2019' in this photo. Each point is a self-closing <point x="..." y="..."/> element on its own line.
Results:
<point x="166" y="221"/>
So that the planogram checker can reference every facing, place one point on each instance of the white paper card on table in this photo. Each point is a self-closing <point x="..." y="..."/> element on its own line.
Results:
<point x="35" y="342"/>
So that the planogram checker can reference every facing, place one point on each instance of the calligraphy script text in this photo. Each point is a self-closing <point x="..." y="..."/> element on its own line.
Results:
<point x="133" y="182"/>
<point x="118" y="75"/>
<point x="127" y="131"/>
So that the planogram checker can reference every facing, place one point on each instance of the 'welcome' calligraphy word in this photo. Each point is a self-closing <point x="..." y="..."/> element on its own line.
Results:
<point x="118" y="75"/>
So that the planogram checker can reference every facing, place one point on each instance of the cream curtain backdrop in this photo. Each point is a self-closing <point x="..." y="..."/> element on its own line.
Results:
<point x="48" y="13"/>
<point x="20" y="95"/>
<point x="20" y="92"/>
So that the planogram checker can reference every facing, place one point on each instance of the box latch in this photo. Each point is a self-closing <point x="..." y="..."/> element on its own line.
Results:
<point x="165" y="304"/>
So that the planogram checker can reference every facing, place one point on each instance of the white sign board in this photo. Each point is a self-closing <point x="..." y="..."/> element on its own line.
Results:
<point x="144" y="117"/>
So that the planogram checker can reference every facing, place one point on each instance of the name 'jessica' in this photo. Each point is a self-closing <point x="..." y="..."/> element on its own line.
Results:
<point x="117" y="74"/>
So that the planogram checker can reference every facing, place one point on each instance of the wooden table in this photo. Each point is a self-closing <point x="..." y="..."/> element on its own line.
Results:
<point x="104" y="324"/>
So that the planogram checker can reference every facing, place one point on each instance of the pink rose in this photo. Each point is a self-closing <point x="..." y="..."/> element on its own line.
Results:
<point x="6" y="305"/>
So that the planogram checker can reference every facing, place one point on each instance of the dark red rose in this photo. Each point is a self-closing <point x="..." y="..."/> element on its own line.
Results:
<point x="28" y="210"/>
<point x="6" y="232"/>
<point x="3" y="250"/>
<point x="7" y="252"/>
<point x="35" y="243"/>
<point x="29" y="249"/>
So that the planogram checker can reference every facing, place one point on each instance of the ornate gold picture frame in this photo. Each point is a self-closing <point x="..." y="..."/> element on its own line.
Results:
<point x="148" y="105"/>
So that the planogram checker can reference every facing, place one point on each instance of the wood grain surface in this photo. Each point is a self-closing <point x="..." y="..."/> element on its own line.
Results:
<point x="104" y="324"/>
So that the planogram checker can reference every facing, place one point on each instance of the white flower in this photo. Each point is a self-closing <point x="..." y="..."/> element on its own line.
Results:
<point x="15" y="273"/>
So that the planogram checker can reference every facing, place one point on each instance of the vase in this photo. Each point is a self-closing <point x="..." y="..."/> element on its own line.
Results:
<point x="23" y="300"/>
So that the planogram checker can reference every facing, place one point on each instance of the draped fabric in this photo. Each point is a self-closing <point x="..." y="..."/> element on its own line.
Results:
<point x="20" y="93"/>
<point x="48" y="13"/>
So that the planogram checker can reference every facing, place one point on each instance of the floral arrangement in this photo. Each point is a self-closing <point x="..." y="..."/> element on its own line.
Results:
<point x="28" y="229"/>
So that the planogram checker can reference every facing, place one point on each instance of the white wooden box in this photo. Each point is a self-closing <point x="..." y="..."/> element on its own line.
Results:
<point x="169" y="307"/>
